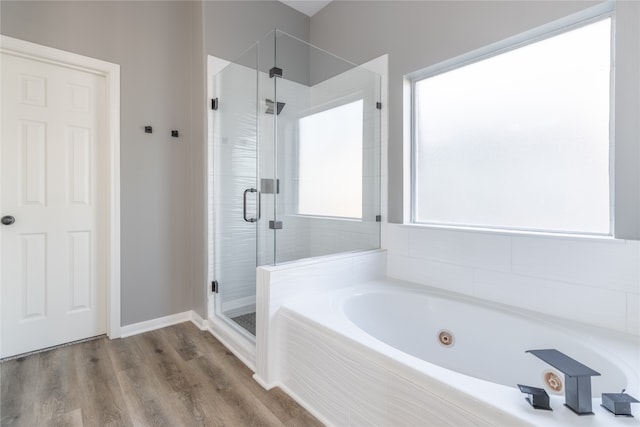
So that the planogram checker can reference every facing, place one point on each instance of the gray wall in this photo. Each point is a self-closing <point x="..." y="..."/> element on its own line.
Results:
<point x="160" y="47"/>
<point x="151" y="42"/>
<point x="417" y="34"/>
<point x="231" y="27"/>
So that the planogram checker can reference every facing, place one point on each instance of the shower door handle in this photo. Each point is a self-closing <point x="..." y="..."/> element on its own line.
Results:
<point x="244" y="205"/>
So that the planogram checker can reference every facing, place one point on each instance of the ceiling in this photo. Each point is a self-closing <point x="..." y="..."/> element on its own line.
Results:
<point x="308" y="7"/>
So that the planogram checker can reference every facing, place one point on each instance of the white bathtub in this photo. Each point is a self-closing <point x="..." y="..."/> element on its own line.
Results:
<point x="370" y="355"/>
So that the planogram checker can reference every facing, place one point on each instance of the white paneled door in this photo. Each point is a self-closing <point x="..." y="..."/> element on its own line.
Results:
<point x="53" y="205"/>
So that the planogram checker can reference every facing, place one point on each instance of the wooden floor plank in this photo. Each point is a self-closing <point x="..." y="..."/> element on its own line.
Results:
<point x="145" y="408"/>
<point x="17" y="393"/>
<point x="103" y="404"/>
<point x="71" y="419"/>
<point x="177" y="376"/>
<point x="280" y="403"/>
<point x="165" y="363"/>
<point x="143" y="394"/>
<point x="253" y="412"/>
<point x="125" y="353"/>
<point x="55" y="396"/>
<point x="181" y="391"/>
<point x="185" y="340"/>
<point x="189" y="384"/>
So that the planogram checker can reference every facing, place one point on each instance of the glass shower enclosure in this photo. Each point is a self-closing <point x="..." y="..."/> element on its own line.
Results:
<point x="296" y="165"/>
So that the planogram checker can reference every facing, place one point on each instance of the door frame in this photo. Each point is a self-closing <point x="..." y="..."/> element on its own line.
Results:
<point x="111" y="73"/>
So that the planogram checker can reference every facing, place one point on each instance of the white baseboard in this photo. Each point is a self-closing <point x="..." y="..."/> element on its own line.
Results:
<point x="264" y="384"/>
<point x="198" y="321"/>
<point x="162" y="322"/>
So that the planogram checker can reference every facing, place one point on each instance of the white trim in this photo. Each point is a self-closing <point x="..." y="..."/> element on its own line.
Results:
<point x="159" y="323"/>
<point x="111" y="73"/>
<point x="198" y="321"/>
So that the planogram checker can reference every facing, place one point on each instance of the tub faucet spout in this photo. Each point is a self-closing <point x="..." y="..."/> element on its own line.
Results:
<point x="577" y="379"/>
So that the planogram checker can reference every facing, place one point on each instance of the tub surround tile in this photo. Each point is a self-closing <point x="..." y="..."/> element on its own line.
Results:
<point x="407" y="408"/>
<point x="431" y="273"/>
<point x="492" y="252"/>
<point x="600" y="307"/>
<point x="307" y="379"/>
<point x="396" y="239"/>
<point x="554" y="271"/>
<point x="370" y="267"/>
<point x="325" y="372"/>
<point x="384" y="234"/>
<point x="603" y="264"/>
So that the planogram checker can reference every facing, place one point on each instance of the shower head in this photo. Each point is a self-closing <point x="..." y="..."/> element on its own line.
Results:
<point x="270" y="103"/>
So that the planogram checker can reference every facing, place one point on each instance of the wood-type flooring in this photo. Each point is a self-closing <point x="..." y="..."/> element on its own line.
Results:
<point x="176" y="376"/>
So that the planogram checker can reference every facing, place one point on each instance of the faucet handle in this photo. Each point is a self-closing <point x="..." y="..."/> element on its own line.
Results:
<point x="537" y="397"/>
<point x="618" y="403"/>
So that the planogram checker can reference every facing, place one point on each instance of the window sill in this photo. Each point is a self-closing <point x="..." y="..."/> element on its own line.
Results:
<point x="517" y="233"/>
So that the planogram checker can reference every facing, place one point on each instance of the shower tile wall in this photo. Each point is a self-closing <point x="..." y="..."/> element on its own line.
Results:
<point x="589" y="280"/>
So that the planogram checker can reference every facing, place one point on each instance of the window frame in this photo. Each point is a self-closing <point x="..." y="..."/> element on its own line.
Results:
<point x="544" y="32"/>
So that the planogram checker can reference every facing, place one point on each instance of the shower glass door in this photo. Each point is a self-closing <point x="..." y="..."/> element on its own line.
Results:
<point x="237" y="211"/>
<point x="296" y="165"/>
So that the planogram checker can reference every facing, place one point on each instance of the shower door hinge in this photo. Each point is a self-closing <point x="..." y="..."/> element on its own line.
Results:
<point x="275" y="225"/>
<point x="215" y="287"/>
<point x="269" y="186"/>
<point x="275" y="72"/>
<point x="378" y="218"/>
<point x="379" y="105"/>
<point x="214" y="103"/>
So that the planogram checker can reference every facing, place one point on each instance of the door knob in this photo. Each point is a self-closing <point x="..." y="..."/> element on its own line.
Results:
<point x="8" y="220"/>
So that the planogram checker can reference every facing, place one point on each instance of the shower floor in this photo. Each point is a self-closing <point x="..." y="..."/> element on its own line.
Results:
<point x="247" y="321"/>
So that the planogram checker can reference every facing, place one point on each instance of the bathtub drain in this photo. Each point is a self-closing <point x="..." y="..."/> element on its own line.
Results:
<point x="446" y="338"/>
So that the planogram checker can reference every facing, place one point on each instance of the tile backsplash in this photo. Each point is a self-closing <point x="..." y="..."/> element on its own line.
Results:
<point x="594" y="281"/>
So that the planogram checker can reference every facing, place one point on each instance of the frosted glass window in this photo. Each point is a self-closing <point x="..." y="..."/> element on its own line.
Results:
<point x="330" y="162"/>
<point x="519" y="140"/>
